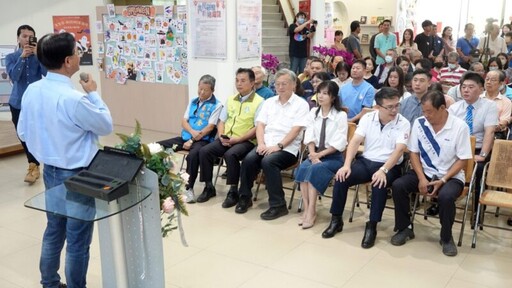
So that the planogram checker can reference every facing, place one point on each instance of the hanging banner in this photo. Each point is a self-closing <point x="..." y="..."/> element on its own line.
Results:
<point x="79" y="27"/>
<point x="248" y="29"/>
<point x="208" y="21"/>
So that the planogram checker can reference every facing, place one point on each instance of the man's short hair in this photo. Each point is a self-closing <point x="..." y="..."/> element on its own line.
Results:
<point x="362" y="62"/>
<point x="501" y="75"/>
<point x="473" y="76"/>
<point x="473" y="66"/>
<point x="453" y="56"/>
<point x="208" y="80"/>
<point x="25" y="27"/>
<point x="422" y="72"/>
<point x="288" y="72"/>
<point x="312" y="57"/>
<point x="300" y="14"/>
<point x="426" y="64"/>
<point x="386" y="93"/>
<point x="54" y="48"/>
<point x="436" y="98"/>
<point x="467" y="25"/>
<point x="318" y="60"/>
<point x="249" y="72"/>
<point x="262" y="69"/>
<point x="386" y="20"/>
<point x="426" y="23"/>
<point x="354" y="25"/>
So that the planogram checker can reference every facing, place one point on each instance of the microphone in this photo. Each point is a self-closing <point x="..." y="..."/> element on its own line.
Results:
<point x="84" y="76"/>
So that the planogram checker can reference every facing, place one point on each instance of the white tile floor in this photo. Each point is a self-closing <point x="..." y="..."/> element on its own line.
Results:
<point x="231" y="250"/>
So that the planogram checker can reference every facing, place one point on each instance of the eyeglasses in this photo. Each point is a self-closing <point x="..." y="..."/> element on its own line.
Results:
<point x="391" y="107"/>
<point x="282" y="84"/>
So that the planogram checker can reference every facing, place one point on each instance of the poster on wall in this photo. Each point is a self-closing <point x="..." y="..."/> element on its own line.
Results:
<point x="143" y="46"/>
<point x="248" y="29"/>
<point x="208" y="19"/>
<point x="5" y="83"/>
<point x="79" y="27"/>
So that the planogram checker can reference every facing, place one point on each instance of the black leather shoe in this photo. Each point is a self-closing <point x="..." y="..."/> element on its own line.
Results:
<point x="509" y="221"/>
<point x="230" y="200"/>
<point x="244" y="203"/>
<point x="208" y="193"/>
<point x="62" y="285"/>
<point x="433" y="210"/>
<point x="274" y="213"/>
<point x="335" y="226"/>
<point x="370" y="233"/>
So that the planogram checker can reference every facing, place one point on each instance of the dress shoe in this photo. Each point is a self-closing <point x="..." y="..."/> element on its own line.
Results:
<point x="433" y="210"/>
<point x="308" y="223"/>
<point x="231" y="199"/>
<point x="208" y="192"/>
<point x="509" y="221"/>
<point x="62" y="285"/>
<point x="274" y="212"/>
<point x="335" y="226"/>
<point x="402" y="236"/>
<point x="449" y="248"/>
<point x="32" y="173"/>
<point x="370" y="233"/>
<point x="244" y="203"/>
<point x="189" y="193"/>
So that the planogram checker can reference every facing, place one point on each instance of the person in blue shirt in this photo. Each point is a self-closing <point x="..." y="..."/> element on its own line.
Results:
<point x="24" y="68"/>
<point x="467" y="44"/>
<point x="261" y="89"/>
<point x="199" y="128"/>
<point x="358" y="94"/>
<point x="61" y="126"/>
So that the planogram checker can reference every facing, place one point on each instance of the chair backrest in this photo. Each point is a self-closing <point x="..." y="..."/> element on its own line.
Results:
<point x="468" y="170"/>
<point x="351" y="130"/>
<point x="500" y="171"/>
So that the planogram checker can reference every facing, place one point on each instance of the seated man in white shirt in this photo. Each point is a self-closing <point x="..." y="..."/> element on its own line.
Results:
<point x="279" y="133"/>
<point x="440" y="147"/>
<point x="384" y="133"/>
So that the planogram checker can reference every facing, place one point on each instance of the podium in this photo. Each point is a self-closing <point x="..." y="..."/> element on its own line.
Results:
<point x="130" y="238"/>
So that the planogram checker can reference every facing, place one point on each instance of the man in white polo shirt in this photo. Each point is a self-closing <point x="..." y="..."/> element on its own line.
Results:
<point x="279" y="128"/>
<point x="440" y="147"/>
<point x="384" y="133"/>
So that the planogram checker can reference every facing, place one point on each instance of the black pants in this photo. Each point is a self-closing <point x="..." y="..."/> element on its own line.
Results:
<point x="446" y="198"/>
<point x="192" y="158"/>
<point x="272" y="165"/>
<point x="232" y="155"/>
<point x="15" y="113"/>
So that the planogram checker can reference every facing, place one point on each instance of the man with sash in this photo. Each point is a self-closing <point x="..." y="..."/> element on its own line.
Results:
<point x="439" y="149"/>
<point x="199" y="122"/>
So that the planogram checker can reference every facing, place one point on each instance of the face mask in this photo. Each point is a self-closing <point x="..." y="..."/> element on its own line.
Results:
<point x="493" y="68"/>
<point x="301" y="20"/>
<point x="388" y="59"/>
<point x="452" y="66"/>
<point x="438" y="64"/>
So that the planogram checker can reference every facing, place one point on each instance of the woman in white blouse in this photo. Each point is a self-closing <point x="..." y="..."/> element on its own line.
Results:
<point x="326" y="138"/>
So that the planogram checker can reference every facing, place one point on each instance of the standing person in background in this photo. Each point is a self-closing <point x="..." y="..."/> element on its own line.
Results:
<point x="61" y="127"/>
<point x="24" y="68"/>
<point x="466" y="47"/>
<point x="353" y="44"/>
<point x="425" y="40"/>
<point x="338" y="45"/>
<point x="383" y="42"/>
<point x="372" y="50"/>
<point x="448" y="43"/>
<point x="407" y="43"/>
<point x="437" y="44"/>
<point x="299" y="35"/>
<point x="492" y="44"/>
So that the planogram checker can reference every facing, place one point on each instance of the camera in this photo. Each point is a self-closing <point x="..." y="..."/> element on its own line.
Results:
<point x="32" y="40"/>
<point x="489" y="25"/>
<point x="315" y="22"/>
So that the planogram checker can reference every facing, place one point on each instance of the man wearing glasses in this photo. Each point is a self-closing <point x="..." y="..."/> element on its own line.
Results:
<point x="384" y="133"/>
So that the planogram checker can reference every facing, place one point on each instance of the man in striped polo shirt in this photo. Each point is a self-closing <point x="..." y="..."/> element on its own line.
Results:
<point x="450" y="76"/>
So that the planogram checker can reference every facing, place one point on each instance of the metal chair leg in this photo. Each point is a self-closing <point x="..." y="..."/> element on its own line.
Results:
<point x="356" y="198"/>
<point x="218" y="170"/>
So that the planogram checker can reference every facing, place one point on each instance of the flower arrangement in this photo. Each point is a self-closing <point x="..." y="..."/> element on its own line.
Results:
<point x="171" y="181"/>
<point x="270" y="63"/>
<point x="323" y="52"/>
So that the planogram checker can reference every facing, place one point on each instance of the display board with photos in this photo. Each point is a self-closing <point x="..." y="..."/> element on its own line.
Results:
<point x="140" y="45"/>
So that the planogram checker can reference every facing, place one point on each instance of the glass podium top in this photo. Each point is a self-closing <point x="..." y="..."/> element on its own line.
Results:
<point x="59" y="201"/>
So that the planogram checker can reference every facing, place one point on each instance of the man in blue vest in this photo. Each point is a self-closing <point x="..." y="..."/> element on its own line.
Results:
<point x="199" y="123"/>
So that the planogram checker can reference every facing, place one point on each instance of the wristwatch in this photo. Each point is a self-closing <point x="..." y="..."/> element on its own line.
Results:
<point x="483" y="154"/>
<point x="280" y="146"/>
<point x="384" y="169"/>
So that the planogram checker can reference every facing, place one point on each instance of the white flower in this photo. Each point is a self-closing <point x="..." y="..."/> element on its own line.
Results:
<point x="168" y="205"/>
<point x="155" y="148"/>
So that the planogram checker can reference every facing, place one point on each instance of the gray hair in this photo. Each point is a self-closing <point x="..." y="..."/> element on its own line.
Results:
<point x="453" y="56"/>
<point x="262" y="69"/>
<point x="209" y="80"/>
<point x="288" y="72"/>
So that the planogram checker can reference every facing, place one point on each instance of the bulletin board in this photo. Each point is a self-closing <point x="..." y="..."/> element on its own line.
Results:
<point x="158" y="104"/>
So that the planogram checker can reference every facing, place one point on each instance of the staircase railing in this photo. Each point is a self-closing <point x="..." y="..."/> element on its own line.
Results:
<point x="288" y="11"/>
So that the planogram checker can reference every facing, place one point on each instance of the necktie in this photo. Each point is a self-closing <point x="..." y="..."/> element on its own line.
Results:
<point x="469" y="118"/>
<point x="321" y="143"/>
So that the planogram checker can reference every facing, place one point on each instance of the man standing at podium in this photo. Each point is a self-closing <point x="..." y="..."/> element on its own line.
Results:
<point x="61" y="126"/>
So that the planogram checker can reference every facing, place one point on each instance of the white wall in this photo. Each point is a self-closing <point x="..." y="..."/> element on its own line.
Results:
<point x="38" y="14"/>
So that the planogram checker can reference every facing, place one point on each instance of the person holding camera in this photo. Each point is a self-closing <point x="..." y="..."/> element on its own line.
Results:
<point x="298" y="47"/>
<point x="439" y="147"/>
<point x="467" y="47"/>
<point x="24" y="68"/>
<point x="492" y="44"/>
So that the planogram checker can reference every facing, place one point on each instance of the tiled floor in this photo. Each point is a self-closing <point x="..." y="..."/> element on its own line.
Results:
<point x="231" y="250"/>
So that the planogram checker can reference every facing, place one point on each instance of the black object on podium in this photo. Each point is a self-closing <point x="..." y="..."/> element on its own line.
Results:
<point x="108" y="175"/>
